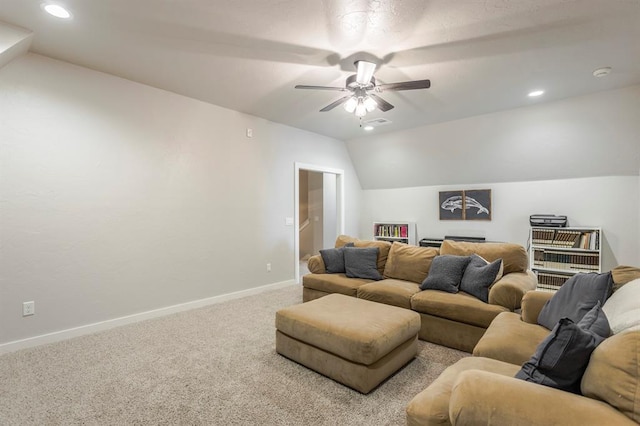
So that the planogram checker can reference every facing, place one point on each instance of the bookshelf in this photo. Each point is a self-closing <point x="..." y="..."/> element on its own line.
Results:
<point x="403" y="232"/>
<point x="556" y="254"/>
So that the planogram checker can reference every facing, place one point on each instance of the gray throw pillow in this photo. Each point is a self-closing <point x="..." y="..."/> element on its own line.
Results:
<point x="333" y="259"/>
<point x="562" y="358"/>
<point x="575" y="298"/>
<point x="445" y="273"/>
<point x="362" y="262"/>
<point x="479" y="276"/>
<point x="596" y="322"/>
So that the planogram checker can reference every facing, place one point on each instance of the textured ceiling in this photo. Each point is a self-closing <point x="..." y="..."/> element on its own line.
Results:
<point x="247" y="55"/>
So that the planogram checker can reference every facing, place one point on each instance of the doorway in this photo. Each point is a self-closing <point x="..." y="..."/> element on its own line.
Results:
<point x="319" y="210"/>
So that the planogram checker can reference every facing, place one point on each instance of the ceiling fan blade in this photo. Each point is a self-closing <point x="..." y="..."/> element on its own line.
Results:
<point x="365" y="72"/>
<point x="302" y="86"/>
<point x="382" y="104"/>
<point x="405" y="85"/>
<point x="335" y="104"/>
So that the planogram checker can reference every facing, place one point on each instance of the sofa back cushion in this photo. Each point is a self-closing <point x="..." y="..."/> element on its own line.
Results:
<point x="612" y="373"/>
<point x="409" y="263"/>
<point x="342" y="240"/>
<point x="514" y="256"/>
<point x="623" y="274"/>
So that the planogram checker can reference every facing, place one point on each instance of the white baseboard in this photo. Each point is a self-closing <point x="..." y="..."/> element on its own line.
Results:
<point x="82" y="330"/>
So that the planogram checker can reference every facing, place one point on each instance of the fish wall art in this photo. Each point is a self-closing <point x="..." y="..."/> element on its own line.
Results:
<point x="472" y="204"/>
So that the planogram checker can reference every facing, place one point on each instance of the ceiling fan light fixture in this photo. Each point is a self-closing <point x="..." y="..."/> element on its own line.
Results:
<point x="361" y="110"/>
<point x="370" y="104"/>
<point x="364" y="89"/>
<point x="351" y="104"/>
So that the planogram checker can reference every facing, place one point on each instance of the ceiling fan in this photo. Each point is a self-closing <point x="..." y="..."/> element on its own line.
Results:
<point x="362" y="88"/>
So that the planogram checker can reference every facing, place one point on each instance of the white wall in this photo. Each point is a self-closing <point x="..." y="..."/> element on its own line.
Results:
<point x="118" y="198"/>
<point x="611" y="202"/>
<point x="578" y="157"/>
<point x="593" y="135"/>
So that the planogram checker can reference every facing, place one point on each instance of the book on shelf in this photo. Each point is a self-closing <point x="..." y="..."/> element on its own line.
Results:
<point x="566" y="238"/>
<point x="392" y="231"/>
<point x="571" y="261"/>
<point x="551" y="281"/>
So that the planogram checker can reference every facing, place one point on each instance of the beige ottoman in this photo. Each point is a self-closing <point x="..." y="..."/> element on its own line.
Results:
<point x="355" y="342"/>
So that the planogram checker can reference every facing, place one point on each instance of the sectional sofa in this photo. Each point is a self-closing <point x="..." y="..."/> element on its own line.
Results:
<point x="482" y="389"/>
<point x="456" y="320"/>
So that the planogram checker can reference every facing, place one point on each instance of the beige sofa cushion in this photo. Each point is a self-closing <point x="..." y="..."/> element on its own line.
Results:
<point x="481" y="397"/>
<point x="461" y="307"/>
<point x="409" y="263"/>
<point x="532" y="304"/>
<point x="431" y="406"/>
<point x="623" y="274"/>
<point x="341" y="240"/>
<point x="514" y="256"/>
<point x="354" y="329"/>
<point x="333" y="283"/>
<point x="510" y="339"/>
<point x="390" y="292"/>
<point x="612" y="374"/>
<point x="316" y="265"/>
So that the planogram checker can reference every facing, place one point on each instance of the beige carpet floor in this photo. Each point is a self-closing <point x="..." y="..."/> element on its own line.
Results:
<point x="210" y="366"/>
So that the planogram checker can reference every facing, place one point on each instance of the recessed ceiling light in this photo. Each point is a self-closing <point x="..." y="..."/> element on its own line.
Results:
<point x="536" y="93"/>
<point x="57" y="11"/>
<point x="601" y="72"/>
<point x="368" y="128"/>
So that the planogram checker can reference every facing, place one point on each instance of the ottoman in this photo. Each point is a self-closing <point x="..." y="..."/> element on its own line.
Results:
<point x="353" y="341"/>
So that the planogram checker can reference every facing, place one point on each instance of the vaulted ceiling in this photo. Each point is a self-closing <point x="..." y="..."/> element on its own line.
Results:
<point x="480" y="55"/>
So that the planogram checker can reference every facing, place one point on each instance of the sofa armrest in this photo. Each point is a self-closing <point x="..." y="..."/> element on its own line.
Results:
<point x="509" y="290"/>
<point x="532" y="304"/>
<point x="316" y="264"/>
<point x="481" y="397"/>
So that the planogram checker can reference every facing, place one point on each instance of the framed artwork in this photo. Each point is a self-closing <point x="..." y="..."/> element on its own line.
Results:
<point x="451" y="205"/>
<point x="472" y="204"/>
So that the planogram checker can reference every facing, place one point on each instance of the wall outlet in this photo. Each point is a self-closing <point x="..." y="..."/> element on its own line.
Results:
<point x="28" y="308"/>
<point x="249" y="133"/>
<point x="268" y="267"/>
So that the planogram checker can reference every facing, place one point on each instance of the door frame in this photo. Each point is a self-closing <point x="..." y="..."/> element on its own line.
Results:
<point x="340" y="218"/>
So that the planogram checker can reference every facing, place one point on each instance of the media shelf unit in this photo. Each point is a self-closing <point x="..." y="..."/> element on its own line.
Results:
<point x="402" y="232"/>
<point x="557" y="254"/>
